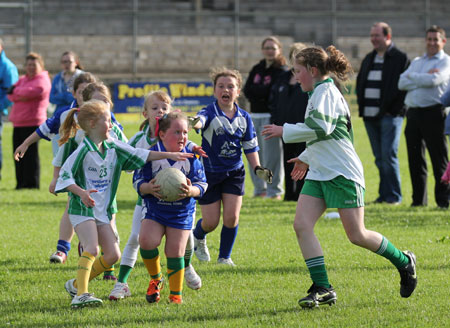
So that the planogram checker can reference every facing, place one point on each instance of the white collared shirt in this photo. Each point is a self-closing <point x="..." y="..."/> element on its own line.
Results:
<point x="425" y="89"/>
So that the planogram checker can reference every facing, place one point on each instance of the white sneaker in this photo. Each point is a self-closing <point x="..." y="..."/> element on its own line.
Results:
<point x="70" y="288"/>
<point x="85" y="299"/>
<point x="193" y="280"/>
<point x="120" y="291"/>
<point x="58" y="257"/>
<point x="227" y="261"/>
<point x="201" y="250"/>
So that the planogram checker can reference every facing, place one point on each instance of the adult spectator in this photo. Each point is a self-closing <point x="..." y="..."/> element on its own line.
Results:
<point x="8" y="76"/>
<point x="425" y="82"/>
<point x="62" y="85"/>
<point x="288" y="103"/>
<point x="30" y="96"/>
<point x="381" y="104"/>
<point x="257" y="90"/>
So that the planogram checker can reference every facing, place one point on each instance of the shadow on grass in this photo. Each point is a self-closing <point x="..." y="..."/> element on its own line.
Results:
<point x="29" y="308"/>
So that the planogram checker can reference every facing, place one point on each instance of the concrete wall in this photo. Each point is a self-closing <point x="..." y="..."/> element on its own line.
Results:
<point x="158" y="56"/>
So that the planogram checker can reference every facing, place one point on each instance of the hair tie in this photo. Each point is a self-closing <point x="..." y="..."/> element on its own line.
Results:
<point x="157" y="123"/>
<point x="157" y="126"/>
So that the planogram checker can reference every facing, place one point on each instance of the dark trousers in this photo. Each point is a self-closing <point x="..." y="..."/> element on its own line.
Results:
<point x="425" y="128"/>
<point x="28" y="169"/>
<point x="292" y="188"/>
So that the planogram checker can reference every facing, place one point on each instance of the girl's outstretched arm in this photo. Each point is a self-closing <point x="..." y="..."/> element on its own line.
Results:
<point x="174" y="156"/>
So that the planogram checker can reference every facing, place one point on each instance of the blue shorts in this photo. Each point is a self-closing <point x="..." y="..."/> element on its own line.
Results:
<point x="229" y="182"/>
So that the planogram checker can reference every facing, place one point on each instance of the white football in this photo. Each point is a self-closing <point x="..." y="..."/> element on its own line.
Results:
<point x="170" y="180"/>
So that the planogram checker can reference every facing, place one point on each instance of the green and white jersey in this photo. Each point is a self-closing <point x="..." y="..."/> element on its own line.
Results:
<point x="66" y="149"/>
<point x="142" y="140"/>
<point x="328" y="134"/>
<point x="90" y="169"/>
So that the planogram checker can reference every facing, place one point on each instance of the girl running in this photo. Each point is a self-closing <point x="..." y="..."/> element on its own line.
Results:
<point x="156" y="105"/>
<point x="91" y="176"/>
<point x="335" y="178"/>
<point x="172" y="219"/>
<point x="226" y="130"/>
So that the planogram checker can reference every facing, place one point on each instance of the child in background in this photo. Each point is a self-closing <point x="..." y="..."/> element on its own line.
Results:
<point x="335" y="178"/>
<point x="61" y="93"/>
<point x="172" y="219"/>
<point x="226" y="130"/>
<point x="49" y="130"/>
<point x="156" y="105"/>
<point x="91" y="176"/>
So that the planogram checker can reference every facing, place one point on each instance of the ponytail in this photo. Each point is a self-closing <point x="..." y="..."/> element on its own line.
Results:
<point x="69" y="127"/>
<point x="337" y="63"/>
<point x="326" y="61"/>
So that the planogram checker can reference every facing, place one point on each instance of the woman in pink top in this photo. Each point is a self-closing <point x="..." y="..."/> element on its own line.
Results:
<point x="30" y="96"/>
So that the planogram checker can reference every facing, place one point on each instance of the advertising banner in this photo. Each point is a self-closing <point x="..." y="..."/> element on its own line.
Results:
<point x="187" y="96"/>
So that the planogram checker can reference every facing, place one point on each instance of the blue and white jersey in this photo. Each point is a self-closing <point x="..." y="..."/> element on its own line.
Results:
<point x="178" y="214"/>
<point x="50" y="128"/>
<point x="223" y="138"/>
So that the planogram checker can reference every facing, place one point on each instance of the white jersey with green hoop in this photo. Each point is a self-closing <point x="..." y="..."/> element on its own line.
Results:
<point x="90" y="169"/>
<point x="67" y="148"/>
<point x="328" y="134"/>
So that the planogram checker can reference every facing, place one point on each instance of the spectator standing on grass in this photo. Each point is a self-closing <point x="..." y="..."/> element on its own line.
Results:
<point x="31" y="98"/>
<point x="287" y="104"/>
<point x="381" y="105"/>
<point x="425" y="81"/>
<point x="61" y="93"/>
<point x="257" y="90"/>
<point x="8" y="76"/>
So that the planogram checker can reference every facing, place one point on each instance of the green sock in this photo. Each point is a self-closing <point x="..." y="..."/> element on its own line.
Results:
<point x="124" y="272"/>
<point x="317" y="271"/>
<point x="187" y="257"/>
<point x="394" y="255"/>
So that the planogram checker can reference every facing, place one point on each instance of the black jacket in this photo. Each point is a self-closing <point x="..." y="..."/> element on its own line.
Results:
<point x="391" y="98"/>
<point x="259" y="83"/>
<point x="287" y="103"/>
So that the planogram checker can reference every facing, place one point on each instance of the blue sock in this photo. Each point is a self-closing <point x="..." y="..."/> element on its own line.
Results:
<point x="63" y="246"/>
<point x="199" y="233"/>
<point x="227" y="238"/>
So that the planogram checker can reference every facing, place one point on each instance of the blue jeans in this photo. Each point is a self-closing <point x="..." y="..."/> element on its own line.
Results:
<point x="384" y="136"/>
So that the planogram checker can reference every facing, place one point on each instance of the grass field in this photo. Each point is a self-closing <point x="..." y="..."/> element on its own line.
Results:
<point x="264" y="287"/>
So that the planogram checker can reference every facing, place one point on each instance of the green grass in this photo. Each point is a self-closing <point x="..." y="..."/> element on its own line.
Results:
<point x="261" y="291"/>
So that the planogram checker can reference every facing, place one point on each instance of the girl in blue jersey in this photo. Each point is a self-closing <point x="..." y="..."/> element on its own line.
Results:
<point x="156" y="105"/>
<point x="226" y="130"/>
<point x="91" y="175"/>
<point x="172" y="219"/>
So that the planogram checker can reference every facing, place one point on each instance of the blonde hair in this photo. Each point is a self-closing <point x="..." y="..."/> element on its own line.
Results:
<point x="295" y="49"/>
<point x="99" y="87"/>
<point x="217" y="72"/>
<point x="88" y="112"/>
<point x="160" y="95"/>
<point x="326" y="61"/>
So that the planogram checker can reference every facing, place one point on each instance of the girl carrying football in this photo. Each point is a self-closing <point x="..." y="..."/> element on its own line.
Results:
<point x="335" y="178"/>
<point x="172" y="219"/>
<point x="226" y="130"/>
<point x="156" y="105"/>
<point x="91" y="176"/>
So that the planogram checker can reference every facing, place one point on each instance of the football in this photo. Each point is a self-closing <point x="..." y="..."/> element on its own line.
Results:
<point x="170" y="180"/>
